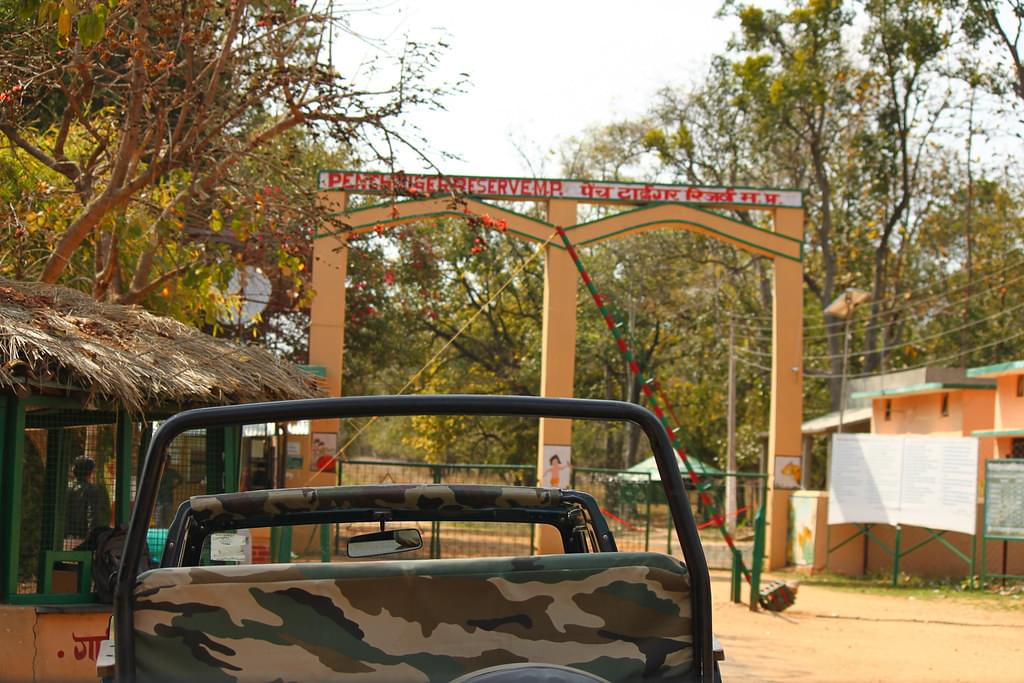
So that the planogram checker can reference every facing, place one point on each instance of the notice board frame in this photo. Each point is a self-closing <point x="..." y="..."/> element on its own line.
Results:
<point x="985" y="536"/>
<point x="896" y="552"/>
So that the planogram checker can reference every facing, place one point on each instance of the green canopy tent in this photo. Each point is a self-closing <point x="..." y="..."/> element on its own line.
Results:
<point x="656" y="494"/>
<point x="702" y="469"/>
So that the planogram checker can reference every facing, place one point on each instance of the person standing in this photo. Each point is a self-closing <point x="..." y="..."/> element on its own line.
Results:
<point x="88" y="503"/>
<point x="165" y="498"/>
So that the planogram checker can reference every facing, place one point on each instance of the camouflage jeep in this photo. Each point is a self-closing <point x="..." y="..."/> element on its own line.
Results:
<point x="588" y="614"/>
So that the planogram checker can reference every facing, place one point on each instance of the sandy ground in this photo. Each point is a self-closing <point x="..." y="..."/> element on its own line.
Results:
<point x="832" y="634"/>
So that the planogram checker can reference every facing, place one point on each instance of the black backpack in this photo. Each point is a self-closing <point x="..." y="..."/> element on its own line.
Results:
<point x="107" y="544"/>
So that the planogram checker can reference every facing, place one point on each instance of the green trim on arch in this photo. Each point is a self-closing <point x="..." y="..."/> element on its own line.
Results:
<point x="723" y="235"/>
<point x="453" y="213"/>
<point x="694" y="207"/>
<point x="999" y="433"/>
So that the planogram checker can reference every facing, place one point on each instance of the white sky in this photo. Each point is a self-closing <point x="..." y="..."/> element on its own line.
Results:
<point x="540" y="72"/>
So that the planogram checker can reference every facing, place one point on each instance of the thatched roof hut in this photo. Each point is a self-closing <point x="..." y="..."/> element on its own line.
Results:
<point x="57" y="339"/>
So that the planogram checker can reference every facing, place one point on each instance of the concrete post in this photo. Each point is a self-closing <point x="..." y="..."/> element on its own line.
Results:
<point x="787" y="379"/>
<point x="327" y="311"/>
<point x="558" y="351"/>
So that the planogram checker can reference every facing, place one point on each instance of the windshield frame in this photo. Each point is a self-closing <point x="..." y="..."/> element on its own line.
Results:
<point x="369" y="406"/>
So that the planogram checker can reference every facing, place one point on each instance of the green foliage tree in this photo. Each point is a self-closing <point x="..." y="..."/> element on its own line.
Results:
<point x="425" y="314"/>
<point x="999" y="26"/>
<point x="164" y="141"/>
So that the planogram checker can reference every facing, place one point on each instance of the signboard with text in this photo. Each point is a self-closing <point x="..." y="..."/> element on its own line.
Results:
<point x="544" y="188"/>
<point x="1004" y="499"/>
<point x="922" y="481"/>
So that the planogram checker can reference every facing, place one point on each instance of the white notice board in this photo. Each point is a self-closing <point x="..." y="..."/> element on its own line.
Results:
<point x="918" y="480"/>
<point x="864" y="477"/>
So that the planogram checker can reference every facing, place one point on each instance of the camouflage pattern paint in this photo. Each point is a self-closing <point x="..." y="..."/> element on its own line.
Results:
<point x="240" y="506"/>
<point x="623" y="616"/>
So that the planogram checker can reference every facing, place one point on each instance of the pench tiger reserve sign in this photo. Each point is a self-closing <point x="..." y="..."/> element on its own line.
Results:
<point x="545" y="188"/>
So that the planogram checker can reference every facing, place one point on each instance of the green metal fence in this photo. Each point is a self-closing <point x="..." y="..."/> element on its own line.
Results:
<point x="633" y="505"/>
<point x="67" y="470"/>
<point x="625" y="500"/>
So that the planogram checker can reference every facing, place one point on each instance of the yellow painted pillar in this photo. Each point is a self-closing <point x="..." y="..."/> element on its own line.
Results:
<point x="558" y="354"/>
<point x="784" y="437"/>
<point x="327" y="312"/>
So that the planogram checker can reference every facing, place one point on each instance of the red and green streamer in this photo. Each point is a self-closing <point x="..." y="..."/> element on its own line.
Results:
<point x="646" y="386"/>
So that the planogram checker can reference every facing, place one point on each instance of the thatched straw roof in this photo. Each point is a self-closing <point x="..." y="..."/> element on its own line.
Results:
<point x="54" y="335"/>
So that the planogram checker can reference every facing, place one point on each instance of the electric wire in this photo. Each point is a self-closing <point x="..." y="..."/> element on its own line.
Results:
<point x="904" y="306"/>
<point x="930" y="362"/>
<point x="914" y="298"/>
<point x="812" y="374"/>
<point x="909" y="342"/>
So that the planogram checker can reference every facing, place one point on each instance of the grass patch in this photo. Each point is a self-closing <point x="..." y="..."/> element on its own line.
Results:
<point x="1011" y="596"/>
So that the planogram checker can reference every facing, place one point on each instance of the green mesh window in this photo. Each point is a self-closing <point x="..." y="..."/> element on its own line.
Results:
<point x="68" y="490"/>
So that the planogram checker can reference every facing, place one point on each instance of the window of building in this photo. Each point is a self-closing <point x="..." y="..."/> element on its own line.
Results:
<point x="945" y="405"/>
<point x="1017" y="448"/>
<point x="888" y="409"/>
<point x="1020" y="385"/>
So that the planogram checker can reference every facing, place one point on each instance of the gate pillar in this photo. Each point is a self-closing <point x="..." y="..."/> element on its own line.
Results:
<point x="558" y="355"/>
<point x="327" y="310"/>
<point x="786" y="414"/>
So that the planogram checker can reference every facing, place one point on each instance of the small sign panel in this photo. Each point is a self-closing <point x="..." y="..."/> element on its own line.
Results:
<point x="787" y="471"/>
<point x="557" y="470"/>
<point x="1004" y="499"/>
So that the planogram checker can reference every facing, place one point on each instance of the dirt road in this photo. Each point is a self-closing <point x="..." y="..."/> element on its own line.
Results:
<point x="832" y="634"/>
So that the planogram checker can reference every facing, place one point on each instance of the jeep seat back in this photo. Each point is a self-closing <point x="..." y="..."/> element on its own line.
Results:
<point x="622" y="616"/>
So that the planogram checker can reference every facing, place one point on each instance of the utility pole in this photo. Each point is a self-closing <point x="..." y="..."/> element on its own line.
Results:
<point x="730" y="467"/>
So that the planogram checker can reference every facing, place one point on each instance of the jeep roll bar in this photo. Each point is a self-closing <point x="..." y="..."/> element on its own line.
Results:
<point x="362" y="503"/>
<point x="394" y="406"/>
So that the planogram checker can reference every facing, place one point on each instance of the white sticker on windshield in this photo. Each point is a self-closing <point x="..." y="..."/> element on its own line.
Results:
<point x="230" y="546"/>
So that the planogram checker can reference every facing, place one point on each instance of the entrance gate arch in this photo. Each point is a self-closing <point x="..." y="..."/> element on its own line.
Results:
<point x="653" y="206"/>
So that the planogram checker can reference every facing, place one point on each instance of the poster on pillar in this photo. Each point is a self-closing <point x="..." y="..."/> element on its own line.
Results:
<point x="787" y="472"/>
<point x="557" y="468"/>
<point x="325" y="450"/>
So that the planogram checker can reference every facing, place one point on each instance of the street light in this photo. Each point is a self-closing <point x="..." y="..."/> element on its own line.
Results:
<point x="844" y="307"/>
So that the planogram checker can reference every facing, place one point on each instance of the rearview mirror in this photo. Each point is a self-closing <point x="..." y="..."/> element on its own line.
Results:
<point x="385" y="543"/>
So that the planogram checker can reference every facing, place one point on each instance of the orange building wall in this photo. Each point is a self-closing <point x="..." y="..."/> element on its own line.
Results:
<point x="969" y="410"/>
<point x="1009" y="406"/>
<point x="922" y="413"/>
<point x="51" y="646"/>
<point x="979" y="411"/>
<point x="1009" y="412"/>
